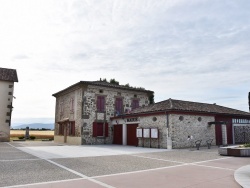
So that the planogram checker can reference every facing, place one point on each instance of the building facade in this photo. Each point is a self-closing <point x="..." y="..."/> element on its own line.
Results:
<point x="7" y="79"/>
<point x="83" y="110"/>
<point x="178" y="124"/>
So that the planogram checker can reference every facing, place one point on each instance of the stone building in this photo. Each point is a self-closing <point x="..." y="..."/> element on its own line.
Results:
<point x="178" y="124"/>
<point x="83" y="110"/>
<point x="7" y="79"/>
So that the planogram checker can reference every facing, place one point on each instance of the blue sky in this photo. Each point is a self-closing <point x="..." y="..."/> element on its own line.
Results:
<point x="196" y="50"/>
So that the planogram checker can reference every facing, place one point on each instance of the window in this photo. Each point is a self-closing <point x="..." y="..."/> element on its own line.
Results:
<point x="61" y="108"/>
<point x="60" y="129"/>
<point x="100" y="103"/>
<point x="72" y="128"/>
<point x="71" y="105"/>
<point x="10" y="86"/>
<point x="118" y="106"/>
<point x="135" y="104"/>
<point x="98" y="129"/>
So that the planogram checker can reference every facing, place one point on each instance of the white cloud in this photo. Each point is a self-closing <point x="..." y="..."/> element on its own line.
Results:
<point x="192" y="50"/>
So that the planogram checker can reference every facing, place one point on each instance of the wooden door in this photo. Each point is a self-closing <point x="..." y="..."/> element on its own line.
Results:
<point x="117" y="134"/>
<point x="132" y="140"/>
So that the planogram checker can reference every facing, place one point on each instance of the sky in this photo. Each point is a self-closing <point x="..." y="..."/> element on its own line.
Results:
<point x="194" y="50"/>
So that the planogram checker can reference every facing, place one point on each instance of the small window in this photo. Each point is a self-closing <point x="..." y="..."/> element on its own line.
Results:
<point x="135" y="104"/>
<point x="61" y="108"/>
<point x="154" y="119"/>
<point x="100" y="103"/>
<point x="181" y="118"/>
<point x="100" y="91"/>
<point x="60" y="129"/>
<point x="98" y="129"/>
<point x="199" y="119"/>
<point x="8" y="114"/>
<point x="10" y="86"/>
<point x="135" y="96"/>
<point x="10" y="93"/>
<point x="72" y="105"/>
<point x="118" y="106"/>
<point x="7" y="121"/>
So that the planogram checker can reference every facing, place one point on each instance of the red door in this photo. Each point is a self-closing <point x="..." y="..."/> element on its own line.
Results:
<point x="117" y="134"/>
<point x="218" y="131"/>
<point x="132" y="140"/>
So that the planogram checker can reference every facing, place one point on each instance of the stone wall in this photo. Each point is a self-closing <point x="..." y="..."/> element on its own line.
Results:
<point x="89" y="109"/>
<point x="65" y="110"/>
<point x="157" y="121"/>
<point x="183" y="126"/>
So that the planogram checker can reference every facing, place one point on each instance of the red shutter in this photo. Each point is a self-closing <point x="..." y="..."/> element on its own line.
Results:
<point x="73" y="128"/>
<point x="118" y="105"/>
<point x="135" y="104"/>
<point x="106" y="129"/>
<point x="94" y="129"/>
<point x="100" y="103"/>
<point x="99" y="129"/>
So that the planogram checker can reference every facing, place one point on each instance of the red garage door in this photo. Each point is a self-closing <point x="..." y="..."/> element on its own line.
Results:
<point x="132" y="140"/>
<point x="117" y="134"/>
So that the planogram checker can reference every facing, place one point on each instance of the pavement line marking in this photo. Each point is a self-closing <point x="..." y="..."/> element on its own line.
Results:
<point x="158" y="159"/>
<point x="213" y="167"/>
<point x="211" y="160"/>
<point x="42" y="183"/>
<point x="70" y="170"/>
<point x="138" y="171"/>
<point x="20" y="160"/>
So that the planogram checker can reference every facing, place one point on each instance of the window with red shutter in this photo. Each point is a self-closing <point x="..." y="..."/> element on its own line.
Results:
<point x="118" y="106"/>
<point x="72" y="128"/>
<point x="60" y="131"/>
<point x="99" y="129"/>
<point x="135" y="104"/>
<point x="100" y="103"/>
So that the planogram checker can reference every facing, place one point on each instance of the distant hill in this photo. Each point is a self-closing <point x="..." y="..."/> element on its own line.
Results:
<point x="35" y="126"/>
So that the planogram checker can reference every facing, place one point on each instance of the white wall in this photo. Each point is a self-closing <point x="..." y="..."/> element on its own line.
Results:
<point x="5" y="100"/>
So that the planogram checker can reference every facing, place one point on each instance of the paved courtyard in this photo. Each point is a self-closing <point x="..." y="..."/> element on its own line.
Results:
<point x="47" y="164"/>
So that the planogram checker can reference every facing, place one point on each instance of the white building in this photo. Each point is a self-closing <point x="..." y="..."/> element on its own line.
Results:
<point x="7" y="79"/>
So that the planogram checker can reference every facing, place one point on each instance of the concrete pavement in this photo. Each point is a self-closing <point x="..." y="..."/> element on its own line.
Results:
<point x="41" y="164"/>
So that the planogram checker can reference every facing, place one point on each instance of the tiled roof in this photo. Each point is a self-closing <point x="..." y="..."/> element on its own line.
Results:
<point x="107" y="84"/>
<point x="8" y="75"/>
<point x="104" y="84"/>
<point x="187" y="106"/>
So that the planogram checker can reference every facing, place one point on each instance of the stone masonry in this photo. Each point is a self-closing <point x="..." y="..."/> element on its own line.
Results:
<point x="184" y="126"/>
<point x="90" y="114"/>
<point x="84" y="111"/>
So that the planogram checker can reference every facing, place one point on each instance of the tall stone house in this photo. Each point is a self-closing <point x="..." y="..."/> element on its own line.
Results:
<point x="83" y="110"/>
<point x="7" y="79"/>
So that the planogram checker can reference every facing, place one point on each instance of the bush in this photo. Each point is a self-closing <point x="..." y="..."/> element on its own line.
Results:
<point x="21" y="137"/>
<point x="32" y="137"/>
<point x="247" y="145"/>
